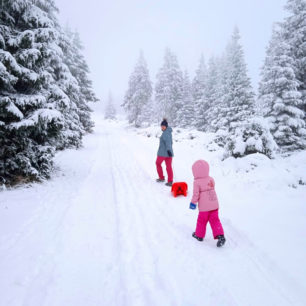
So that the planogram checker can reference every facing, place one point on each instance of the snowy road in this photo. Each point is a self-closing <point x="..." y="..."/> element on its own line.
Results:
<point x="102" y="232"/>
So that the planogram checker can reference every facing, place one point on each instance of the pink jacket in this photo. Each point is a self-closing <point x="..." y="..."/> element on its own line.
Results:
<point x="204" y="187"/>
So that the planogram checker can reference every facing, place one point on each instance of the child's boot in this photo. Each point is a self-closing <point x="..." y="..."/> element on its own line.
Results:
<point x="221" y="241"/>
<point x="196" y="237"/>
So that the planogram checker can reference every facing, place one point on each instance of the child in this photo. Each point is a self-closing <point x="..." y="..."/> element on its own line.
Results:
<point x="205" y="195"/>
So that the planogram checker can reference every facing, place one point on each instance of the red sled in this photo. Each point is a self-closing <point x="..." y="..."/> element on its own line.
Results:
<point x="179" y="188"/>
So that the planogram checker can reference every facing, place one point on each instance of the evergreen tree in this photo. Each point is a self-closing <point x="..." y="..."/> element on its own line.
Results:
<point x="72" y="47"/>
<point x="37" y="111"/>
<point x="110" y="110"/>
<point x="169" y="89"/>
<point x="199" y="95"/>
<point x="238" y="130"/>
<point x="139" y="92"/>
<point x="294" y="29"/>
<point x="147" y="115"/>
<point x="186" y="115"/>
<point x="217" y="115"/>
<point x="213" y="93"/>
<point x="237" y="102"/>
<point x="250" y="136"/>
<point x="26" y="114"/>
<point x="279" y="94"/>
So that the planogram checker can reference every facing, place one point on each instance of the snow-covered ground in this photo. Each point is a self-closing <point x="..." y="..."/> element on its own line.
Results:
<point x="102" y="232"/>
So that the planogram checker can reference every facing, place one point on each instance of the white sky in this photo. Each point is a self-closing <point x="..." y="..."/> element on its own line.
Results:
<point x="114" y="31"/>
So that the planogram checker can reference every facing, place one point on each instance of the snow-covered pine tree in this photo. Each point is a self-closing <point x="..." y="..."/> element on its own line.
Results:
<point x="64" y="96"/>
<point x="279" y="95"/>
<point x="26" y="116"/>
<point x="250" y="136"/>
<point x="139" y="91"/>
<point x="72" y="47"/>
<point x="110" y="110"/>
<point x="216" y="117"/>
<point x="37" y="114"/>
<point x="294" y="28"/>
<point x="237" y="103"/>
<point x="147" y="115"/>
<point x="169" y="89"/>
<point x="199" y="95"/>
<point x="239" y="131"/>
<point x="186" y="114"/>
<point x="213" y="92"/>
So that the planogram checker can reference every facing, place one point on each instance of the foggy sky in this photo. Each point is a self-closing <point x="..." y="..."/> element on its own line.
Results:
<point x="114" y="31"/>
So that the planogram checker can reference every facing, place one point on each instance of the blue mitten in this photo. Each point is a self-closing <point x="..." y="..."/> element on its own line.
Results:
<point x="192" y="206"/>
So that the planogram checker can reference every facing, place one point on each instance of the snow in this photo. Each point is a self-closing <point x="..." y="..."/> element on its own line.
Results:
<point x="102" y="232"/>
<point x="38" y="18"/>
<point x="2" y="41"/>
<point x="30" y="75"/>
<point x="60" y="95"/>
<point x="11" y="108"/>
<point x="25" y="100"/>
<point x="29" y="56"/>
<point x="46" y="115"/>
<point x="10" y="61"/>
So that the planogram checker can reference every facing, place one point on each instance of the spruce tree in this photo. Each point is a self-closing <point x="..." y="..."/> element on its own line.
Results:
<point x="213" y="92"/>
<point x="38" y="113"/>
<point x="186" y="115"/>
<point x="147" y="115"/>
<point x="83" y="94"/>
<point x="238" y="129"/>
<point x="139" y="92"/>
<point x="199" y="95"/>
<point x="169" y="89"/>
<point x="294" y="29"/>
<point x="110" y="110"/>
<point x="279" y="94"/>
<point x="217" y="115"/>
<point x="28" y="118"/>
<point x="237" y="102"/>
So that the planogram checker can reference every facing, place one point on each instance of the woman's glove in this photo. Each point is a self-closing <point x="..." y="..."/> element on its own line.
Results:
<point x="192" y="206"/>
<point x="169" y="153"/>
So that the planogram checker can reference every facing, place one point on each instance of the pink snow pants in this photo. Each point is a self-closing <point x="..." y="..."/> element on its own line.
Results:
<point x="168" y="161"/>
<point x="213" y="218"/>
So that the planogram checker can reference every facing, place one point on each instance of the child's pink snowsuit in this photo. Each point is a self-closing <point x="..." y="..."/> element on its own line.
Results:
<point x="205" y="195"/>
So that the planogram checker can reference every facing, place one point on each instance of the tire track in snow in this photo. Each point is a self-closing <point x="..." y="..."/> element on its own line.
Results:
<point x="50" y="271"/>
<point x="120" y="298"/>
<point x="95" y="269"/>
<point x="32" y="245"/>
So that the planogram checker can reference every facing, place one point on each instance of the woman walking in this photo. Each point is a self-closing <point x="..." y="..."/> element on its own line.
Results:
<point x="165" y="154"/>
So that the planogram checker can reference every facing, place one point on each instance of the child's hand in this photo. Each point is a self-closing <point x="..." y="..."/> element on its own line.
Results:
<point x="192" y="206"/>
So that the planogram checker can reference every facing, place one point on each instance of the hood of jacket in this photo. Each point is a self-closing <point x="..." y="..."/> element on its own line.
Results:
<point x="200" y="169"/>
